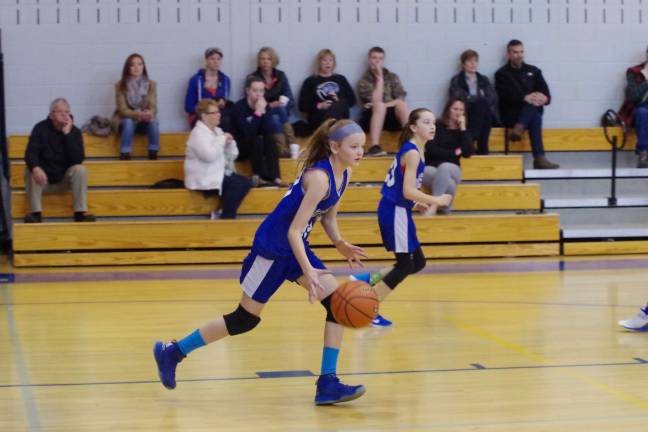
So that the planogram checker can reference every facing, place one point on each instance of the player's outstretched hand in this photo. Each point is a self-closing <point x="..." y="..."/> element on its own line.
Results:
<point x="353" y="254"/>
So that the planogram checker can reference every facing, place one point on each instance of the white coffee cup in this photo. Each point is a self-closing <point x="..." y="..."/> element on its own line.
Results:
<point x="283" y="100"/>
<point x="294" y="151"/>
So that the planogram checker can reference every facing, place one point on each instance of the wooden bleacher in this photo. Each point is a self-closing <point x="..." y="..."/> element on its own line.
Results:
<point x="228" y="241"/>
<point x="146" y="173"/>
<point x="120" y="188"/>
<point x="181" y="202"/>
<point x="173" y="144"/>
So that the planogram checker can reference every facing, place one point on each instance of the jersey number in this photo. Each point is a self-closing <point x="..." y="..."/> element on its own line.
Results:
<point x="391" y="174"/>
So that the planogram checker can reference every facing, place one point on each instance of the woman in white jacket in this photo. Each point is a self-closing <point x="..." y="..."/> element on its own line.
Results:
<point x="209" y="161"/>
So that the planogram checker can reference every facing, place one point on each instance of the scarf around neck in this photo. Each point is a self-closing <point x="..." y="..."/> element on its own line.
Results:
<point x="136" y="91"/>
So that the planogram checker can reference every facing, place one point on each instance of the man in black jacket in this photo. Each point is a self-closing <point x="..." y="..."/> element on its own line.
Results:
<point x="53" y="157"/>
<point x="523" y="93"/>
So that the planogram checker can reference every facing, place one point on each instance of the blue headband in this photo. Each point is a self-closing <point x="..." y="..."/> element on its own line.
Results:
<point x="344" y="131"/>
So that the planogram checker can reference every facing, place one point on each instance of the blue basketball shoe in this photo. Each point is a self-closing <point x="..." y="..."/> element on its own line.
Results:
<point x="380" y="321"/>
<point x="371" y="278"/>
<point x="331" y="391"/>
<point x="167" y="356"/>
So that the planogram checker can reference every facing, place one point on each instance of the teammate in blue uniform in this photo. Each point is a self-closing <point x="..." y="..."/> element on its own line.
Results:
<point x="280" y="252"/>
<point x="401" y="195"/>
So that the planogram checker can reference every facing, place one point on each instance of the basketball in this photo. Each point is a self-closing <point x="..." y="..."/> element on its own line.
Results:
<point x="354" y="304"/>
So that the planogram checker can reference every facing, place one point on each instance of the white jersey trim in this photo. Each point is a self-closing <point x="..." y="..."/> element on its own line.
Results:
<point x="254" y="277"/>
<point x="401" y="229"/>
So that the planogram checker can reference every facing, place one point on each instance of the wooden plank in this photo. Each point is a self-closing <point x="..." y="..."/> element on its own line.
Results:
<point x="155" y="234"/>
<point x="175" y="202"/>
<point x="571" y="139"/>
<point x="146" y="173"/>
<point x="173" y="143"/>
<point x="492" y="167"/>
<point x="606" y="247"/>
<point x="117" y="173"/>
<point x="222" y="256"/>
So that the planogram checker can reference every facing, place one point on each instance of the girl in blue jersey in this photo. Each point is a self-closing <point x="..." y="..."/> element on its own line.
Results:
<point x="280" y="252"/>
<point x="401" y="195"/>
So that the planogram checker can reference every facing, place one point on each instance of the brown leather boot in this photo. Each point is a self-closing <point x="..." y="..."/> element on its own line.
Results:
<point x="515" y="134"/>
<point x="282" y="145"/>
<point x="541" y="162"/>
<point x="290" y="133"/>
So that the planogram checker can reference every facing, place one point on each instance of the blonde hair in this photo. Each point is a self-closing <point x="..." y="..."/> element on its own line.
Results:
<point x="320" y="55"/>
<point x="274" y="57"/>
<point x="319" y="145"/>
<point x="204" y="105"/>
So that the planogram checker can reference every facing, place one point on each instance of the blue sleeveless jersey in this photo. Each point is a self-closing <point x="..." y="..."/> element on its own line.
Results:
<point x="392" y="189"/>
<point x="271" y="238"/>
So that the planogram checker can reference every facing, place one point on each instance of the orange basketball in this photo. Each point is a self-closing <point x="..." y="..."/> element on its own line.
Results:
<point x="354" y="304"/>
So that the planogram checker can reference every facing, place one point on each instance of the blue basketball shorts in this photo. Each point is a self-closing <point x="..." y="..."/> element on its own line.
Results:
<point x="397" y="227"/>
<point x="261" y="277"/>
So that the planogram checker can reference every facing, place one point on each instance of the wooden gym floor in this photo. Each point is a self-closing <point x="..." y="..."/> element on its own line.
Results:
<point x="489" y="345"/>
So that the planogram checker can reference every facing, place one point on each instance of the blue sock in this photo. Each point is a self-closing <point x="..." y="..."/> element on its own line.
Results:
<point x="645" y="310"/>
<point x="191" y="342"/>
<point x="365" y="277"/>
<point x="329" y="360"/>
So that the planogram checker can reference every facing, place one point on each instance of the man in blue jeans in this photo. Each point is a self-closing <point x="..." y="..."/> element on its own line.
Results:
<point x="523" y="93"/>
<point x="637" y="97"/>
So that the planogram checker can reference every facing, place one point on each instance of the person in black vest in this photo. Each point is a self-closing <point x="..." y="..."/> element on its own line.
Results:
<point x="480" y="97"/>
<point x="523" y="93"/>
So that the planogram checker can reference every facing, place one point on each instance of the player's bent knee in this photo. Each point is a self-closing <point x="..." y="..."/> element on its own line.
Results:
<point x="240" y="321"/>
<point x="419" y="264"/>
<point x="326" y="302"/>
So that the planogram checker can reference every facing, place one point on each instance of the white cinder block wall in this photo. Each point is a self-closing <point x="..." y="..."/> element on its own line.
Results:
<point x="76" y="48"/>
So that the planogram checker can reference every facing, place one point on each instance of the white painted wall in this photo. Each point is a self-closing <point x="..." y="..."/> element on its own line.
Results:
<point x="76" y="48"/>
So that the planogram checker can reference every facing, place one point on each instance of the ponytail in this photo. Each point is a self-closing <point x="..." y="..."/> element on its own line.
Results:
<point x="406" y="133"/>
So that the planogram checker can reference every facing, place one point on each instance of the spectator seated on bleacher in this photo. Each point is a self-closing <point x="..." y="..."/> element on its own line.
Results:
<point x="54" y="158"/>
<point x="209" y="161"/>
<point x="255" y="134"/>
<point x="325" y="94"/>
<point x="523" y="93"/>
<point x="279" y="97"/>
<point x="443" y="153"/>
<point x="136" y="99"/>
<point x="635" y="107"/>
<point x="210" y="83"/>
<point x="480" y="97"/>
<point x="382" y="97"/>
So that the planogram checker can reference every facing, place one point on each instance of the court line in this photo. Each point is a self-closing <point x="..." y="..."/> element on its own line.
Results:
<point x="290" y="374"/>
<point x="519" y="349"/>
<point x="237" y="298"/>
<point x="337" y="269"/>
<point x="31" y="410"/>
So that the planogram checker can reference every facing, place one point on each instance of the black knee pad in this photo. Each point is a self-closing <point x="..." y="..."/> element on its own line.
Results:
<point x="240" y="321"/>
<point x="326" y="302"/>
<point x="419" y="260"/>
<point x="404" y="266"/>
